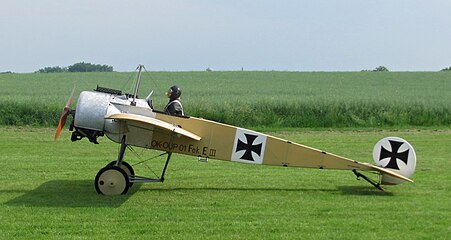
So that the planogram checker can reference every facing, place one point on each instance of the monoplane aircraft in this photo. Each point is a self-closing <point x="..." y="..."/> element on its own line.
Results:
<point x="131" y="121"/>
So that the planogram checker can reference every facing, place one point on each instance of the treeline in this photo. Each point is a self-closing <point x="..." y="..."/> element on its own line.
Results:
<point x="378" y="69"/>
<point x="89" y="67"/>
<point x="385" y="69"/>
<point x="77" y="67"/>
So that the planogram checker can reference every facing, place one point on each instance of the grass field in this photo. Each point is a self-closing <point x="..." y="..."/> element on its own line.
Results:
<point x="273" y="99"/>
<point x="47" y="189"/>
<point x="47" y="192"/>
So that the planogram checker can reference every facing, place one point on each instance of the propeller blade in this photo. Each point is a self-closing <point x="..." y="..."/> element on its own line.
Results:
<point x="61" y="123"/>
<point x="64" y="115"/>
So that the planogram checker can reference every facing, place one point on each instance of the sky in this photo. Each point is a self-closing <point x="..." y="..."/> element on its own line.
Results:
<point x="191" y="35"/>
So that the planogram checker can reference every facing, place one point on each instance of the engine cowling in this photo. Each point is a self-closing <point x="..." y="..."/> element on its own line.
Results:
<point x="91" y="110"/>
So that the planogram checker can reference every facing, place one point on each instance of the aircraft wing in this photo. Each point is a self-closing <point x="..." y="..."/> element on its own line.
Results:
<point x="152" y="122"/>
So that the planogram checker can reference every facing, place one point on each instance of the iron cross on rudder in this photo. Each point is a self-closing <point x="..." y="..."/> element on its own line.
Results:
<point x="394" y="154"/>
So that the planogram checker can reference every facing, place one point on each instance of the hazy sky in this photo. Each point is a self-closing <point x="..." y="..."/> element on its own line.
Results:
<point x="340" y="35"/>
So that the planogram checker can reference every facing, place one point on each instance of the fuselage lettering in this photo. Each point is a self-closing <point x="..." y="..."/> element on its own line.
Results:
<point x="182" y="148"/>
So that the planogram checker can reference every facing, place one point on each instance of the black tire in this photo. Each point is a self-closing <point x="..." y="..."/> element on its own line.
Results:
<point x="125" y="166"/>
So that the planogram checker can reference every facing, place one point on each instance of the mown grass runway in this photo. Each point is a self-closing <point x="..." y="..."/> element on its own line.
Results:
<point x="47" y="192"/>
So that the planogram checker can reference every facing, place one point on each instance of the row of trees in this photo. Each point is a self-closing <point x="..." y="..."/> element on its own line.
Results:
<point x="384" y="69"/>
<point x="89" y="67"/>
<point x="77" y="67"/>
<point x="378" y="69"/>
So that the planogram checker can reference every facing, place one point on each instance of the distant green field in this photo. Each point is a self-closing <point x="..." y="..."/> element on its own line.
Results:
<point x="252" y="99"/>
<point x="47" y="192"/>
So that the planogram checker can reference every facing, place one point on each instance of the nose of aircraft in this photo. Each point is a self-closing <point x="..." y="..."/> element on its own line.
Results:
<point x="91" y="110"/>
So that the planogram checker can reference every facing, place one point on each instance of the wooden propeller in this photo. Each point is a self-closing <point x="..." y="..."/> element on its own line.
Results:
<point x="64" y="115"/>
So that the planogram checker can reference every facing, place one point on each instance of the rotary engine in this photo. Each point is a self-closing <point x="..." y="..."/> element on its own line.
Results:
<point x="92" y="107"/>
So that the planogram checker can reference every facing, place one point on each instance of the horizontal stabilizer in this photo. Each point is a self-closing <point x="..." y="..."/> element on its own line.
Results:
<point x="153" y="123"/>
<point x="388" y="172"/>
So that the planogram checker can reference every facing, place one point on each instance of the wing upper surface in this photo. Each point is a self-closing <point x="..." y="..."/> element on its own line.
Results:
<point x="153" y="123"/>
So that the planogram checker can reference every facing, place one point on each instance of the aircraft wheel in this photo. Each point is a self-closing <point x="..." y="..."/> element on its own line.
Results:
<point x="112" y="180"/>
<point x="125" y="166"/>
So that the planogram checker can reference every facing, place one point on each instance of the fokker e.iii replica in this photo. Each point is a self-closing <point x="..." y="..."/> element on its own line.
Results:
<point x="130" y="121"/>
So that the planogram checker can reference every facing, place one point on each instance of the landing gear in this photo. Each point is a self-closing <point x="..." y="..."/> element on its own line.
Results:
<point x="118" y="176"/>
<point x="112" y="180"/>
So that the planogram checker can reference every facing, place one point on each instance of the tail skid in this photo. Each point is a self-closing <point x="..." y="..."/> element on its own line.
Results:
<point x="371" y="181"/>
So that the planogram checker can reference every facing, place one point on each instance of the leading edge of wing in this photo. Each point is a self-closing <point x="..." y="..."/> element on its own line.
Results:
<point x="153" y="122"/>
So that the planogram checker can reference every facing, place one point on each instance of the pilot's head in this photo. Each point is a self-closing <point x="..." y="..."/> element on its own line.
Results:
<point x="174" y="92"/>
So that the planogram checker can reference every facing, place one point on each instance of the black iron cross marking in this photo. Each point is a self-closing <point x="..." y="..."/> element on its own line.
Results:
<point x="403" y="156"/>
<point x="249" y="147"/>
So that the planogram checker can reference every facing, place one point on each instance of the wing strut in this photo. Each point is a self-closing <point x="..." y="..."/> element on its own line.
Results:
<point x="371" y="181"/>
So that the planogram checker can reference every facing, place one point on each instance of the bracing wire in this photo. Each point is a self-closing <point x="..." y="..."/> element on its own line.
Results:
<point x="128" y="83"/>
<point x="141" y="161"/>
<point x="149" y="74"/>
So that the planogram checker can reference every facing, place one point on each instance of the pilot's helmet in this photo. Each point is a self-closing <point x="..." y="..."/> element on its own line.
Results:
<point x="174" y="92"/>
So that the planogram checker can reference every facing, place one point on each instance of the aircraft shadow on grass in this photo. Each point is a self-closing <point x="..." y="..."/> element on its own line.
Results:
<point x="80" y="193"/>
<point x="69" y="193"/>
<point x="343" y="190"/>
<point x="362" y="191"/>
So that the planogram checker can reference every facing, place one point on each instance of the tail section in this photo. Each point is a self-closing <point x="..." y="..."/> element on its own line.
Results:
<point x="397" y="155"/>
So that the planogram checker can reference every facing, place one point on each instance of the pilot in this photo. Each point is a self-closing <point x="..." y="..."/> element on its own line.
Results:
<point x="174" y="106"/>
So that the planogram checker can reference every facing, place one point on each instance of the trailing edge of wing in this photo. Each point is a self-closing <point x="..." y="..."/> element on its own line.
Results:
<point x="388" y="172"/>
<point x="153" y="122"/>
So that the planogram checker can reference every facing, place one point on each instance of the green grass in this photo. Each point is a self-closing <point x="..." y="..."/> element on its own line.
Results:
<point x="252" y="99"/>
<point x="47" y="188"/>
<point x="47" y="192"/>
